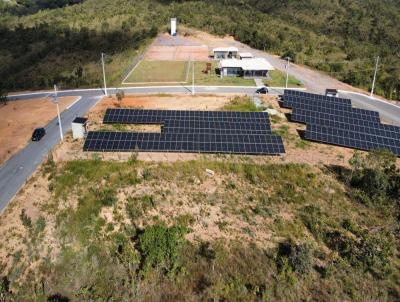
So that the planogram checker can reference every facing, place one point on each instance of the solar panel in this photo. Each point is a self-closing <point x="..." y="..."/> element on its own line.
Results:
<point x="184" y="142"/>
<point x="340" y="111"/>
<point x="312" y="96"/>
<point x="206" y="126"/>
<point x="349" y="117"/>
<point x="351" y="139"/>
<point x="140" y="116"/>
<point x="292" y="101"/>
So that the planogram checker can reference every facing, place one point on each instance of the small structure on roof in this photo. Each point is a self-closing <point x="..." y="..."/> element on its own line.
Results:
<point x="225" y="53"/>
<point x="79" y="127"/>
<point x="249" y="68"/>
<point x="245" y="55"/>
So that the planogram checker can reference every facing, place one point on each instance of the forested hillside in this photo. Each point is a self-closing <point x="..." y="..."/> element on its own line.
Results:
<point x="64" y="44"/>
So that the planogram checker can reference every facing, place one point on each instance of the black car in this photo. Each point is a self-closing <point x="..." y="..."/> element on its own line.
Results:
<point x="38" y="134"/>
<point x="262" y="90"/>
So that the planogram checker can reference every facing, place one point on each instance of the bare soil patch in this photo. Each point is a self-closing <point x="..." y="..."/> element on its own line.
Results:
<point x="18" y="119"/>
<point x="180" y="48"/>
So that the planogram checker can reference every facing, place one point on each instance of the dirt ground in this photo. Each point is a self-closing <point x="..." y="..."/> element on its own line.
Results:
<point x="18" y="119"/>
<point x="190" y="44"/>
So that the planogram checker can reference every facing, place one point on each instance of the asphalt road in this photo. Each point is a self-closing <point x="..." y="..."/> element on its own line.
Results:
<point x="15" y="172"/>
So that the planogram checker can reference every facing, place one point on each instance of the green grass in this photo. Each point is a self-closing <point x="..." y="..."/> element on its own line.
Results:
<point x="211" y="79"/>
<point x="242" y="104"/>
<point x="159" y="72"/>
<point x="278" y="79"/>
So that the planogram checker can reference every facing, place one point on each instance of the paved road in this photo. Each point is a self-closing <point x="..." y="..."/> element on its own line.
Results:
<point x="15" y="172"/>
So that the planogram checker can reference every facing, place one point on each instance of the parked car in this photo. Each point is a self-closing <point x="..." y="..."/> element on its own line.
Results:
<point x="262" y="90"/>
<point x="38" y="134"/>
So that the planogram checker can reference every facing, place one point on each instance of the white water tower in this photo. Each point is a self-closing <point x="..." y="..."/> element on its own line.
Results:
<point x="173" y="26"/>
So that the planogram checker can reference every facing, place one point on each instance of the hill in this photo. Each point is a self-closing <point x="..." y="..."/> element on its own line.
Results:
<point x="63" y="44"/>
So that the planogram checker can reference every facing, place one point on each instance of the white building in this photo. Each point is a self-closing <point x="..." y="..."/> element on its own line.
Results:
<point x="173" y="26"/>
<point x="79" y="127"/>
<point x="248" y="68"/>
<point x="225" y="53"/>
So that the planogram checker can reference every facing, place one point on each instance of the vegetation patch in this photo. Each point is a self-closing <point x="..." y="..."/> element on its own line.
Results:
<point x="170" y="231"/>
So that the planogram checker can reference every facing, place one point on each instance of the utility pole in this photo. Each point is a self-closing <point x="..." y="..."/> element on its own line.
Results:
<point x="376" y="71"/>
<point x="193" y="92"/>
<point x="55" y="100"/>
<point x="104" y="74"/>
<point x="287" y="71"/>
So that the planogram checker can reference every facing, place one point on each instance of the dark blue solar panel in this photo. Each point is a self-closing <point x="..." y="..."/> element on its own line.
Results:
<point x="290" y="101"/>
<point x="184" y="142"/>
<point x="351" y="139"/>
<point x="351" y="117"/>
<point x="312" y="96"/>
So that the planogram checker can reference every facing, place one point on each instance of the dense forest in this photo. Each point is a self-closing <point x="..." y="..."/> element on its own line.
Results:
<point x="60" y="41"/>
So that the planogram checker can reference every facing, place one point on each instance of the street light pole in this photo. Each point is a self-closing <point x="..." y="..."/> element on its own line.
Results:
<point x="287" y="71"/>
<point x="376" y="71"/>
<point x="58" y="112"/>
<point x="104" y="74"/>
<point x="193" y="92"/>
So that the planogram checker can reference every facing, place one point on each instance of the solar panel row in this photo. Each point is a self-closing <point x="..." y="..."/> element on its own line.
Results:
<point x="351" y="139"/>
<point x="189" y="131"/>
<point x="203" y="127"/>
<point x="312" y="96"/>
<point x="138" y="116"/>
<point x="340" y="125"/>
<point x="290" y="101"/>
<point x="171" y="142"/>
<point x="310" y="116"/>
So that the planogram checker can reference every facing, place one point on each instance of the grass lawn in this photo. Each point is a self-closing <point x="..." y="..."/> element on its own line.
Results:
<point x="159" y="72"/>
<point x="213" y="79"/>
<point x="278" y="79"/>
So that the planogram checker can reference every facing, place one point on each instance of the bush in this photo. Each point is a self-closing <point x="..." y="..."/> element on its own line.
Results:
<point x="137" y="206"/>
<point x="106" y="197"/>
<point x="160" y="247"/>
<point x="298" y="257"/>
<point x="375" y="176"/>
<point x="311" y="217"/>
<point x="26" y="220"/>
<point x="370" y="252"/>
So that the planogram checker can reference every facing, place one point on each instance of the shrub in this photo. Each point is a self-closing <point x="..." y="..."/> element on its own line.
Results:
<point x="370" y="252"/>
<point x="26" y="220"/>
<point x="160" y="247"/>
<point x="137" y="206"/>
<point x="106" y="197"/>
<point x="311" y="217"/>
<point x="40" y="224"/>
<point x="297" y="257"/>
<point x="375" y="176"/>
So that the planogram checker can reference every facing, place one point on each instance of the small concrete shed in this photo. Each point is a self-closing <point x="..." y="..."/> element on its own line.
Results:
<point x="79" y="127"/>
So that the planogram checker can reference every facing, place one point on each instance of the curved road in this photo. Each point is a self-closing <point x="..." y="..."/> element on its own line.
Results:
<point x="17" y="170"/>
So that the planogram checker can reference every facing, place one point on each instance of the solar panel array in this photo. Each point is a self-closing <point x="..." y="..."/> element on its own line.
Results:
<point x="189" y="131"/>
<point x="334" y="121"/>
